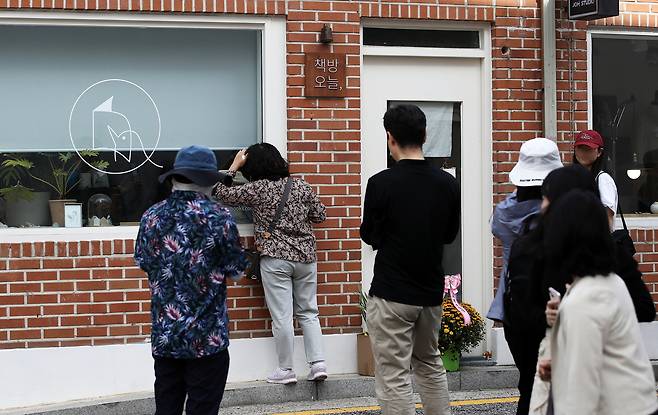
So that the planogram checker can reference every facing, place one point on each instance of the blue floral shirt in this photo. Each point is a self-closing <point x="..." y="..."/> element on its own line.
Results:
<point x="188" y="245"/>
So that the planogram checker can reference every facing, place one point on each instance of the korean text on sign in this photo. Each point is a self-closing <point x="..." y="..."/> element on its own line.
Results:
<point x="329" y="67"/>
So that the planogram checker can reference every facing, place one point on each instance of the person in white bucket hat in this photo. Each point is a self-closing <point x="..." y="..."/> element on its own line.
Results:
<point x="538" y="157"/>
<point x="511" y="217"/>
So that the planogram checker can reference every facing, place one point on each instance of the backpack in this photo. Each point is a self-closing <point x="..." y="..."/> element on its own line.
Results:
<point x="523" y="283"/>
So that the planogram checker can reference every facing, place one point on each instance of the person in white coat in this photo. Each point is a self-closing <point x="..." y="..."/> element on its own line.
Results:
<point x="599" y="364"/>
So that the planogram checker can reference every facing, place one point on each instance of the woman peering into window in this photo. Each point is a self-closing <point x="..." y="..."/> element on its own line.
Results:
<point x="288" y="257"/>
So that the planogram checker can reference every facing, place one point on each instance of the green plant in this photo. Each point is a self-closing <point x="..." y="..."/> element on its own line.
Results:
<point x="16" y="192"/>
<point x="363" y="303"/>
<point x="61" y="172"/>
<point x="455" y="334"/>
<point x="11" y="177"/>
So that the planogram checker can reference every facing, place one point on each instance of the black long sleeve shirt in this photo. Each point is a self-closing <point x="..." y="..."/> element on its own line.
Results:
<point x="410" y="211"/>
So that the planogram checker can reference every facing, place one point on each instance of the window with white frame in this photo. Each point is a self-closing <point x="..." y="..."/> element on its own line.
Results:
<point x="625" y="112"/>
<point x="94" y="114"/>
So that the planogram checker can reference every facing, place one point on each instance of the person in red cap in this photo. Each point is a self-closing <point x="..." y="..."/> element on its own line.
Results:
<point x="589" y="152"/>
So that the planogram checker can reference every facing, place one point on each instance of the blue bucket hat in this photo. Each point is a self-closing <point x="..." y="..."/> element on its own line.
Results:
<point x="197" y="163"/>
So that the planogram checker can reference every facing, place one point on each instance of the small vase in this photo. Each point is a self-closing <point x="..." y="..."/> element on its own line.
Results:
<point x="451" y="360"/>
<point x="57" y="210"/>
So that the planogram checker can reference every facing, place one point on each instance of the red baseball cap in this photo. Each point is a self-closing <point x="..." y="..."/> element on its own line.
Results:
<point x="589" y="138"/>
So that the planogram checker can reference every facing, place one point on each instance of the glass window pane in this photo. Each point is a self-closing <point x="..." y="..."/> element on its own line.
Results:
<point x="130" y="193"/>
<point x="134" y="96"/>
<point x="625" y="111"/>
<point x="443" y="150"/>
<point x="421" y="38"/>
<point x="205" y="84"/>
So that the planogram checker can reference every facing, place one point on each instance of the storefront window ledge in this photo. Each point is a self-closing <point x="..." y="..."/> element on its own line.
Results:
<point x="48" y="234"/>
<point x="638" y="221"/>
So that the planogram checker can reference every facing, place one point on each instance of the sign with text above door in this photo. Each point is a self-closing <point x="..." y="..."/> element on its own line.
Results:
<point x="324" y="75"/>
<point x="592" y="9"/>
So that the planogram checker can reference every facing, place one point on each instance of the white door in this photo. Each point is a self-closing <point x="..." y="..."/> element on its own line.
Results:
<point x="450" y="92"/>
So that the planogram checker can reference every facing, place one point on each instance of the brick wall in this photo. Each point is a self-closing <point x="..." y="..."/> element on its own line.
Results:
<point x="324" y="147"/>
<point x="71" y="294"/>
<point x="91" y="293"/>
<point x="61" y="294"/>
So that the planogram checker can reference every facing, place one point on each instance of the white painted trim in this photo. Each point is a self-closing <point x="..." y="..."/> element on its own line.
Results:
<point x="614" y="32"/>
<point x="549" y="62"/>
<point x="105" y="233"/>
<point x="482" y="52"/>
<point x="645" y="221"/>
<point x="275" y="115"/>
<point x="483" y="294"/>
<point x="49" y="375"/>
<point x="96" y="18"/>
<point x="424" y="24"/>
<point x="273" y="89"/>
<point x="499" y="349"/>
<point x="423" y="52"/>
<point x="487" y="178"/>
<point x="590" y="99"/>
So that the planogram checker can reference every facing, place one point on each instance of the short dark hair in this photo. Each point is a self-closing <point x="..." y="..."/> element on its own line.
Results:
<point x="264" y="162"/>
<point x="407" y="124"/>
<point x="577" y="236"/>
<point x="524" y="193"/>
<point x="561" y="181"/>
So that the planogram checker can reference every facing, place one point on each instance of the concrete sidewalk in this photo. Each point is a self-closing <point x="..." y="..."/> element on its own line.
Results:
<point x="252" y="393"/>
<point x="469" y="378"/>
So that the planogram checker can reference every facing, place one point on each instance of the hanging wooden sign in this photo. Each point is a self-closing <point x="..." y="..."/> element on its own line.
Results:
<point x="325" y="75"/>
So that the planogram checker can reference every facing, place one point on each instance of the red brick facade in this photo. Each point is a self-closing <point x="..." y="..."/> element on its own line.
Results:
<point x="91" y="293"/>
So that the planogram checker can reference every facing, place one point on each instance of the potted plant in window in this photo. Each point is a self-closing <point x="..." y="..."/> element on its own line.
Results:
<point x="61" y="177"/>
<point x="364" y="358"/>
<point x="24" y="206"/>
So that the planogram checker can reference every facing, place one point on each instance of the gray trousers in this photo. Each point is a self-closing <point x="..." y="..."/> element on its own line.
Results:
<point x="404" y="336"/>
<point x="291" y="288"/>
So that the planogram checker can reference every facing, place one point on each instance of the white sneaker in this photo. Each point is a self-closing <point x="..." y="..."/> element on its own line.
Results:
<point x="318" y="372"/>
<point x="282" y="376"/>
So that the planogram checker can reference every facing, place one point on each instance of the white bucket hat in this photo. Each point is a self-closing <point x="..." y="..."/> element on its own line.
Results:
<point x="538" y="157"/>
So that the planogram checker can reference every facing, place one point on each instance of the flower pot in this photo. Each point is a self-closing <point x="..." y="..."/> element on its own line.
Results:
<point x="451" y="360"/>
<point x="57" y="210"/>
<point x="365" y="361"/>
<point x="22" y="212"/>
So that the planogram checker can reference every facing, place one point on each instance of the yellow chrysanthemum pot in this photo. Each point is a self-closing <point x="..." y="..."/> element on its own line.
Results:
<point x="451" y="360"/>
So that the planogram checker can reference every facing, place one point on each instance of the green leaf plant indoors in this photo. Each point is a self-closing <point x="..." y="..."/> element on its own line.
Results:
<point x="11" y="175"/>
<point x="62" y="169"/>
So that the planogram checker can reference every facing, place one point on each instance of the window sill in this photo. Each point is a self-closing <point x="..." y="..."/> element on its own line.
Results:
<point x="107" y="233"/>
<point x="638" y="221"/>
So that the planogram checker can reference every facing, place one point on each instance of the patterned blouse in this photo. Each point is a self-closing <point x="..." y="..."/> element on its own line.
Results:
<point x="188" y="245"/>
<point x="292" y="239"/>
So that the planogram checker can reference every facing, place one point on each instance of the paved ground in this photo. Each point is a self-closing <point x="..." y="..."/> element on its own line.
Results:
<point x="490" y="402"/>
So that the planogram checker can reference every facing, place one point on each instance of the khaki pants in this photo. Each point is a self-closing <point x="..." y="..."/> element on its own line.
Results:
<point x="404" y="336"/>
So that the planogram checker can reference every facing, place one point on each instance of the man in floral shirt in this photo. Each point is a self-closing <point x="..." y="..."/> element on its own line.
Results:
<point x="188" y="245"/>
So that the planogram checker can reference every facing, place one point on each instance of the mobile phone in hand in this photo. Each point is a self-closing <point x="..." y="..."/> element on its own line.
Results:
<point x="553" y="293"/>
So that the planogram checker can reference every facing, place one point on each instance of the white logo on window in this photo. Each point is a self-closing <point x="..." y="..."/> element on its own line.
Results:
<point x="118" y="116"/>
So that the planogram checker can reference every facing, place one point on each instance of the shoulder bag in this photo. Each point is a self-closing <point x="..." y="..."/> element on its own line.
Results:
<point x="253" y="255"/>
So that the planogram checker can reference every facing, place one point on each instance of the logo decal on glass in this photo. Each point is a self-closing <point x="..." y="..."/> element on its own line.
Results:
<point x="118" y="116"/>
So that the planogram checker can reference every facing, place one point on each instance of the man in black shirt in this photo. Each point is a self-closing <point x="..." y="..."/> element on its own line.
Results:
<point x="410" y="211"/>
